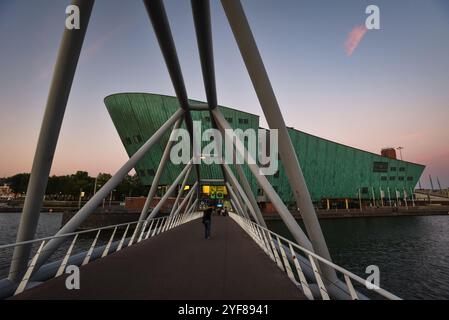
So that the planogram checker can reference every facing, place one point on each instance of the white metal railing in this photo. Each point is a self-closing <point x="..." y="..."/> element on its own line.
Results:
<point x="149" y="229"/>
<point x="278" y="248"/>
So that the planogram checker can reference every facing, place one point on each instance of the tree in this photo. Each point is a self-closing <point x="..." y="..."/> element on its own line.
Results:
<point x="19" y="182"/>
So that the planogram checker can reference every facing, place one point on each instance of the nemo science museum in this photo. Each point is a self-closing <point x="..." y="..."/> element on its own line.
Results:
<point x="337" y="175"/>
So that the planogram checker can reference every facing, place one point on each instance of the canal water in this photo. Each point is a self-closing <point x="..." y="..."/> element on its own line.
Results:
<point x="412" y="253"/>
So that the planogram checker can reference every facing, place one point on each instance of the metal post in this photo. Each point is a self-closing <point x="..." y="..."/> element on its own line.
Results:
<point x="360" y="201"/>
<point x="249" y="193"/>
<point x="259" y="77"/>
<point x="405" y="198"/>
<point x="159" y="20"/>
<point x="381" y="196"/>
<point x="169" y="191"/>
<point x="243" y="194"/>
<point x="389" y="195"/>
<point x="190" y="201"/>
<point x="63" y="74"/>
<point x="95" y="201"/>
<point x="412" y="195"/>
<point x="236" y="200"/>
<point x="157" y="177"/>
<point x="263" y="182"/>
<point x="178" y="197"/>
<point x="184" y="201"/>
<point x="95" y="184"/>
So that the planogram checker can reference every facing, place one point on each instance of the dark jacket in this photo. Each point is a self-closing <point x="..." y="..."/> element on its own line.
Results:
<point x="207" y="215"/>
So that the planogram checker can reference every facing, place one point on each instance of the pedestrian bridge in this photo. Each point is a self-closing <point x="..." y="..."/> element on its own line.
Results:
<point x="171" y="259"/>
<point x="167" y="257"/>
<point x="180" y="264"/>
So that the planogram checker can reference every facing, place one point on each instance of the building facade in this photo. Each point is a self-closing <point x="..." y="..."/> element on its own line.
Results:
<point x="332" y="170"/>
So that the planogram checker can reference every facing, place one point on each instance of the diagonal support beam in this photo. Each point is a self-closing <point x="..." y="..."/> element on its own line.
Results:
<point x="238" y="187"/>
<point x="96" y="200"/>
<point x="187" y="200"/>
<point x="170" y="190"/>
<point x="159" y="20"/>
<point x="159" y="172"/>
<point x="277" y="202"/>
<point x="63" y="74"/>
<point x="236" y="200"/>
<point x="265" y="93"/>
<point x="181" y="191"/>
<point x="156" y="179"/>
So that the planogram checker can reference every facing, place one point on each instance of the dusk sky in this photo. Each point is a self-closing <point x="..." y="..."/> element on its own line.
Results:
<point x="332" y="78"/>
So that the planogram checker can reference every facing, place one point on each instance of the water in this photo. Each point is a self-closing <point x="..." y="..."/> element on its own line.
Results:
<point x="49" y="224"/>
<point x="411" y="252"/>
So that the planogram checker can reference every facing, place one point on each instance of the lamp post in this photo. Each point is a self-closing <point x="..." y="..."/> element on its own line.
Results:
<point x="80" y="197"/>
<point x="95" y="184"/>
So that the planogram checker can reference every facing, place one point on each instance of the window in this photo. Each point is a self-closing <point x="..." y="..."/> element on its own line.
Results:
<point x="150" y="172"/>
<point x="207" y="118"/>
<point x="401" y="178"/>
<point x="409" y="178"/>
<point x="229" y="120"/>
<point x="380" y="166"/>
<point x="402" y="169"/>
<point x="243" y="121"/>
<point x="138" y="138"/>
<point x="128" y="140"/>
<point x="383" y="178"/>
<point x="392" y="178"/>
<point x="364" y="190"/>
<point x="393" y="169"/>
<point x="142" y="173"/>
<point x="259" y="192"/>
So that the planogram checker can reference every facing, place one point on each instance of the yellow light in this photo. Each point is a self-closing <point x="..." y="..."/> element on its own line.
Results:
<point x="186" y="187"/>
<point x="206" y="189"/>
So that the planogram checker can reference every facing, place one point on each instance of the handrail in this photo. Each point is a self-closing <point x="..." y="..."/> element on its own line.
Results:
<point x="69" y="234"/>
<point x="106" y="249"/>
<point x="261" y="239"/>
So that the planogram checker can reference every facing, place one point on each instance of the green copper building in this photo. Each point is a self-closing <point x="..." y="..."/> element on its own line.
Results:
<point x="332" y="170"/>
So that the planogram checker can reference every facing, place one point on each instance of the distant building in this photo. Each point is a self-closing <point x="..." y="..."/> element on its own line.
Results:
<point x="389" y="153"/>
<point x="331" y="170"/>
<point x="6" y="191"/>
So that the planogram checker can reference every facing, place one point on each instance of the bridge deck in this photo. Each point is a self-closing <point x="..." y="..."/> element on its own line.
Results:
<point x="180" y="264"/>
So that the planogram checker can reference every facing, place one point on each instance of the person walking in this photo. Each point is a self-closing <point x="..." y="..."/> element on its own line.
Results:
<point x="207" y="220"/>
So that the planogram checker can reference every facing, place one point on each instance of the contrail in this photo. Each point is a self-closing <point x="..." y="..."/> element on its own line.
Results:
<point x="354" y="37"/>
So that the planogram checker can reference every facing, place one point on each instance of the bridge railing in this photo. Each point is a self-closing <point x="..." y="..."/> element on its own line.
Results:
<point x="84" y="246"/>
<point x="302" y="267"/>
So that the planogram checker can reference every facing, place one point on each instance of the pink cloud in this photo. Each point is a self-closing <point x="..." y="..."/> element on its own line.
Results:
<point x="354" y="37"/>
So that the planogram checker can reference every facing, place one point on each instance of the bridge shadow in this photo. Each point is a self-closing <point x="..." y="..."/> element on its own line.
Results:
<point x="180" y="264"/>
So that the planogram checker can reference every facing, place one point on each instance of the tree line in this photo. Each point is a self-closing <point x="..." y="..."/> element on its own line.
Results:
<point x="69" y="187"/>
